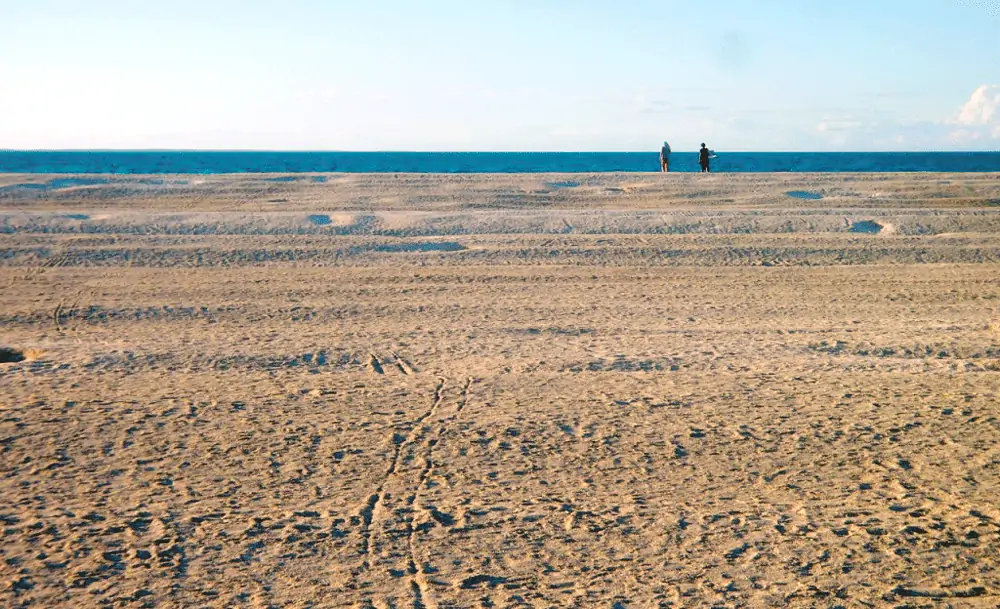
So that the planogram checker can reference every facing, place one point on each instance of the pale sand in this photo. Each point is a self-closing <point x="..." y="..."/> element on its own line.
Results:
<point x="501" y="391"/>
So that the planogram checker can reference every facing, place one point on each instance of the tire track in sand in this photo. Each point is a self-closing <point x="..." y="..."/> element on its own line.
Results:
<point x="417" y="571"/>
<point x="391" y="512"/>
<point x="374" y="510"/>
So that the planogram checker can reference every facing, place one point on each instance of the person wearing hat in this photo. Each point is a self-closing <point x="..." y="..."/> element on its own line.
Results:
<point x="665" y="157"/>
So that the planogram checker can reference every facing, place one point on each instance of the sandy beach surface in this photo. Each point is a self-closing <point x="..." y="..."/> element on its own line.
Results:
<point x="417" y="391"/>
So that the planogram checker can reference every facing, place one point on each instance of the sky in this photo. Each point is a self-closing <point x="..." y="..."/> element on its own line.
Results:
<point x="503" y="75"/>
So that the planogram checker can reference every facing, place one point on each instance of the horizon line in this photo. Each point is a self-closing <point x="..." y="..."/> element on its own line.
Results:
<point x="323" y="151"/>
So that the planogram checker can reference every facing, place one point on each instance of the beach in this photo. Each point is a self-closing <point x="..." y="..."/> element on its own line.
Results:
<point x="489" y="390"/>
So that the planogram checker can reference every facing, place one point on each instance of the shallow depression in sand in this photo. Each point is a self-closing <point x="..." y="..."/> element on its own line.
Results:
<point x="319" y="219"/>
<point x="804" y="195"/>
<point x="422" y="246"/>
<point x="10" y="355"/>
<point x="869" y="227"/>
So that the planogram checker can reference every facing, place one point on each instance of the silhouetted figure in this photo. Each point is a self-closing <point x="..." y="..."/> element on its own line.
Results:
<point x="703" y="158"/>
<point x="665" y="157"/>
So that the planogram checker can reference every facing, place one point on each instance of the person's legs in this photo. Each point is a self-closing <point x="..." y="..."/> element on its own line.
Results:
<point x="664" y="165"/>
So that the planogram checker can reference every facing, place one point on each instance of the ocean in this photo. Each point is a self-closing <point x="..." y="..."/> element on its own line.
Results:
<point x="203" y="162"/>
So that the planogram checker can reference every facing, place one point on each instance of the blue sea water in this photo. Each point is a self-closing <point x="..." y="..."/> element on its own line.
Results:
<point x="175" y="162"/>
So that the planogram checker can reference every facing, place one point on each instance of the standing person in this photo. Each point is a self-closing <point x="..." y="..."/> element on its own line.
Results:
<point x="703" y="158"/>
<point x="665" y="158"/>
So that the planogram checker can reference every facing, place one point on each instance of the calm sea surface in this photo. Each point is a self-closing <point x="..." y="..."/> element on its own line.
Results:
<point x="154" y="162"/>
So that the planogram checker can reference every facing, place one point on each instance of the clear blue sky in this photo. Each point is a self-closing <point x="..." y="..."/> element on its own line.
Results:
<point x="501" y="74"/>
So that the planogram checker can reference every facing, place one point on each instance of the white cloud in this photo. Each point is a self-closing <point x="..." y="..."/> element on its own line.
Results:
<point x="839" y="124"/>
<point x="975" y="126"/>
<point x="983" y="107"/>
